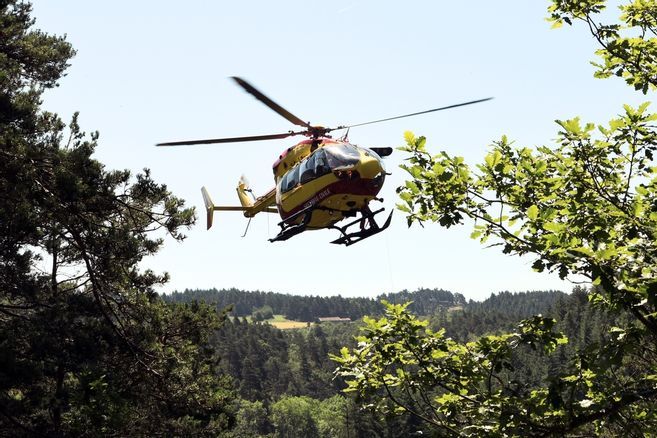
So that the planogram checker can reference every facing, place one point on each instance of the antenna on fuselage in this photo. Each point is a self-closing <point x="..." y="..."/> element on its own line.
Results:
<point x="345" y="136"/>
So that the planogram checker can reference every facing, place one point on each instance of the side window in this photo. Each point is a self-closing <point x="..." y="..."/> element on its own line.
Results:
<point x="283" y="183"/>
<point x="307" y="170"/>
<point x="316" y="165"/>
<point x="291" y="180"/>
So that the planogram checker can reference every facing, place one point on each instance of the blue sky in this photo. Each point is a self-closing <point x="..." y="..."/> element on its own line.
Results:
<point x="148" y="71"/>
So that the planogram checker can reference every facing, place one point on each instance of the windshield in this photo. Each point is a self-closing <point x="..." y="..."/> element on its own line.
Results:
<point x="341" y="155"/>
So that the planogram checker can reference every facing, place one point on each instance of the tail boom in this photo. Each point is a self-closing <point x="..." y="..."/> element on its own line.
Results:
<point x="250" y="209"/>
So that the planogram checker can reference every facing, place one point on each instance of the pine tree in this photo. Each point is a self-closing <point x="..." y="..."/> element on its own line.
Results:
<point x="86" y="345"/>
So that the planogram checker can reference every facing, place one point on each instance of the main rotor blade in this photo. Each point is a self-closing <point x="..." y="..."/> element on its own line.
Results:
<point x="415" y="114"/>
<point x="230" y="140"/>
<point x="270" y="103"/>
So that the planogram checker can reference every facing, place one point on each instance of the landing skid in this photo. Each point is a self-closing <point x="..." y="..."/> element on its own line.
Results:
<point x="368" y="227"/>
<point x="288" y="231"/>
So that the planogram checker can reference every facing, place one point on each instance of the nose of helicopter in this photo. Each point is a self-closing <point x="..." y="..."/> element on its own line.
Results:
<point x="370" y="167"/>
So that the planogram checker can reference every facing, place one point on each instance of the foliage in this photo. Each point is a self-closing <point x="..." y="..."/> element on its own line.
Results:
<point x="424" y="301"/>
<point x="498" y="313"/>
<point x="586" y="206"/>
<point x="440" y="381"/>
<point x="262" y="313"/>
<point x="294" y="307"/>
<point x="292" y="417"/>
<point x="305" y="416"/>
<point x="266" y="363"/>
<point x="251" y="420"/>
<point x="86" y="345"/>
<point x="629" y="46"/>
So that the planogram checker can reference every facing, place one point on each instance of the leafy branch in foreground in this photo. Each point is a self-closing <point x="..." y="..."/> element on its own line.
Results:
<point x="583" y="208"/>
<point x="474" y="388"/>
<point x="628" y="46"/>
<point x="461" y="389"/>
<point x="586" y="207"/>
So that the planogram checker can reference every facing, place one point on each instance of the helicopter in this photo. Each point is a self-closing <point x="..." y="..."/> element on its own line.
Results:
<point x="319" y="181"/>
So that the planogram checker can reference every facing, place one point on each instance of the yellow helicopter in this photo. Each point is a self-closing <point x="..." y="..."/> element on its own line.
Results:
<point x="319" y="181"/>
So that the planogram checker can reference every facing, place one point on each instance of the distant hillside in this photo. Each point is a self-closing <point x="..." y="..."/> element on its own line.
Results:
<point x="499" y="312"/>
<point x="425" y="301"/>
<point x="296" y="307"/>
<point x="519" y="305"/>
<point x="267" y="363"/>
<point x="309" y="308"/>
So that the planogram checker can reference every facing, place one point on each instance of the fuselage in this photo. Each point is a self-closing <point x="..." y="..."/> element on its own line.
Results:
<point x="327" y="179"/>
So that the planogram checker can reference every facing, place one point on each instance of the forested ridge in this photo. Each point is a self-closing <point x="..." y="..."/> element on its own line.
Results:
<point x="309" y="308"/>
<point x="268" y="362"/>
<point x="289" y="374"/>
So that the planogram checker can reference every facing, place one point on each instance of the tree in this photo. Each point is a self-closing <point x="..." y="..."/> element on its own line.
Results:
<point x="251" y="420"/>
<point x="458" y="389"/>
<point x="304" y="416"/>
<point x="292" y="417"/>
<point x="262" y="313"/>
<point x="628" y="47"/>
<point x="585" y="206"/>
<point x="331" y="416"/>
<point x="86" y="344"/>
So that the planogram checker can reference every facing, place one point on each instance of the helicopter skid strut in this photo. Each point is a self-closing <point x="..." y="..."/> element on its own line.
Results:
<point x="288" y="231"/>
<point x="368" y="227"/>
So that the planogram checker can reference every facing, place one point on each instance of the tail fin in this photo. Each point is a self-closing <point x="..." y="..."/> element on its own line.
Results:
<point x="209" y="206"/>
<point x="242" y="188"/>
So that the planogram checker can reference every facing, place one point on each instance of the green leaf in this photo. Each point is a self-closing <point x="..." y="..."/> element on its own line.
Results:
<point x="532" y="212"/>
<point x="586" y="403"/>
<point x="556" y="24"/>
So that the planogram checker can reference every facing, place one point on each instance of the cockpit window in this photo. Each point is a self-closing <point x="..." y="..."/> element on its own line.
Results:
<point x="340" y="156"/>
<point x="321" y="162"/>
